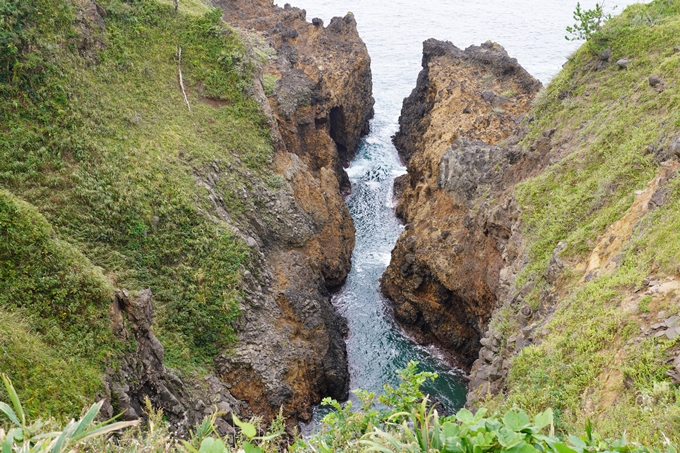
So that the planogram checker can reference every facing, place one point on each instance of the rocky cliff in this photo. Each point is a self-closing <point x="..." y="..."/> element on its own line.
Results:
<point x="203" y="172"/>
<point x="541" y="247"/>
<point x="444" y="276"/>
<point x="291" y="352"/>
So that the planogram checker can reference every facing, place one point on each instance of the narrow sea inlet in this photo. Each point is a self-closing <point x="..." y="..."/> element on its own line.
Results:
<point x="531" y="31"/>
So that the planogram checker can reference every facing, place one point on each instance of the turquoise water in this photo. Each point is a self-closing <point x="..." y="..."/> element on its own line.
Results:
<point x="530" y="30"/>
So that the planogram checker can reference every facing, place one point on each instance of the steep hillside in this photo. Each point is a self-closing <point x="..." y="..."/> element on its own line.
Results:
<point x="580" y="208"/>
<point x="139" y="151"/>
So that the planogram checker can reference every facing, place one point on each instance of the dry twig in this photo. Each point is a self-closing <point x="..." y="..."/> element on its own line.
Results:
<point x="181" y="82"/>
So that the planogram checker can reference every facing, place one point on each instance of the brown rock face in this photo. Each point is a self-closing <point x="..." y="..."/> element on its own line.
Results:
<point x="291" y="351"/>
<point x="323" y="98"/>
<point x="141" y="374"/>
<point x="462" y="223"/>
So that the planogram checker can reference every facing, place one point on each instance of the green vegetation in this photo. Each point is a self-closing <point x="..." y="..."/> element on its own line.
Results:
<point x="269" y="83"/>
<point x="54" y="304"/>
<point x="590" y="361"/>
<point x="108" y="180"/>
<point x="85" y="435"/>
<point x="404" y="422"/>
<point x="588" y="22"/>
<point x="104" y="183"/>
<point x="643" y="305"/>
<point x="29" y="438"/>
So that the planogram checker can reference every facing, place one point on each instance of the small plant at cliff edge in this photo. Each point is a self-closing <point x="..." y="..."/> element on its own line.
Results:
<point x="269" y="84"/>
<point x="588" y="22"/>
<point x="29" y="438"/>
<point x="644" y="304"/>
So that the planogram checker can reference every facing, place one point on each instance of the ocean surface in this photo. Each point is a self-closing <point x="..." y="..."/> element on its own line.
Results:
<point x="530" y="30"/>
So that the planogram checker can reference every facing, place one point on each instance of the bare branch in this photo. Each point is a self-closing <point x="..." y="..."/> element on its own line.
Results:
<point x="181" y="82"/>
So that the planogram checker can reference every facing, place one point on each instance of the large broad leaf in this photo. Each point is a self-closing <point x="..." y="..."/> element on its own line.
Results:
<point x="453" y="445"/>
<point x="250" y="448"/>
<point x="450" y="429"/>
<point x="515" y="419"/>
<point x="248" y="429"/>
<point x="544" y="419"/>
<point x="483" y="439"/>
<point x="577" y="443"/>
<point x="492" y="425"/>
<point x="509" y="438"/>
<point x="211" y="445"/>
<point x="549" y="440"/>
<point x="522" y="447"/>
<point x="563" y="448"/>
<point x="465" y="416"/>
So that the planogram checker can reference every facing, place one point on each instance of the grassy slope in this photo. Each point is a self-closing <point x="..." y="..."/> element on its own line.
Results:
<point x="98" y="155"/>
<point x="617" y="116"/>
<point x="53" y="353"/>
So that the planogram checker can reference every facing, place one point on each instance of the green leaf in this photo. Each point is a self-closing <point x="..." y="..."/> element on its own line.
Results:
<point x="19" y="434"/>
<point x="266" y="438"/>
<point x="522" y="447"/>
<point x="509" y="438"/>
<point x="561" y="447"/>
<point x="250" y="448"/>
<point x="15" y="400"/>
<point x="492" y="425"/>
<point x="247" y="428"/>
<point x="480" y="413"/>
<point x="577" y="442"/>
<point x="550" y="441"/>
<point x="453" y="445"/>
<point x="465" y="416"/>
<point x="450" y="429"/>
<point x="544" y="419"/>
<point x="189" y="447"/>
<point x="60" y="443"/>
<point x="99" y="430"/>
<point x="87" y="418"/>
<point x="212" y="445"/>
<point x="482" y="439"/>
<point x="515" y="419"/>
<point x="10" y="413"/>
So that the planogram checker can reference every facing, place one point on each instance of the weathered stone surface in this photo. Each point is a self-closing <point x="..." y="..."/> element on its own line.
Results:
<point x="290" y="351"/>
<point x="655" y="81"/>
<point x="605" y="55"/>
<point x="464" y="104"/>
<point x="141" y="374"/>
<point x="675" y="372"/>
<point x="452" y="83"/>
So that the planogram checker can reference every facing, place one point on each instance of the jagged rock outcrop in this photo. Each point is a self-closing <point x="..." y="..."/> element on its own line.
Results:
<point x="323" y="97"/>
<point x="141" y="374"/>
<point x="451" y="264"/>
<point x="290" y="349"/>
